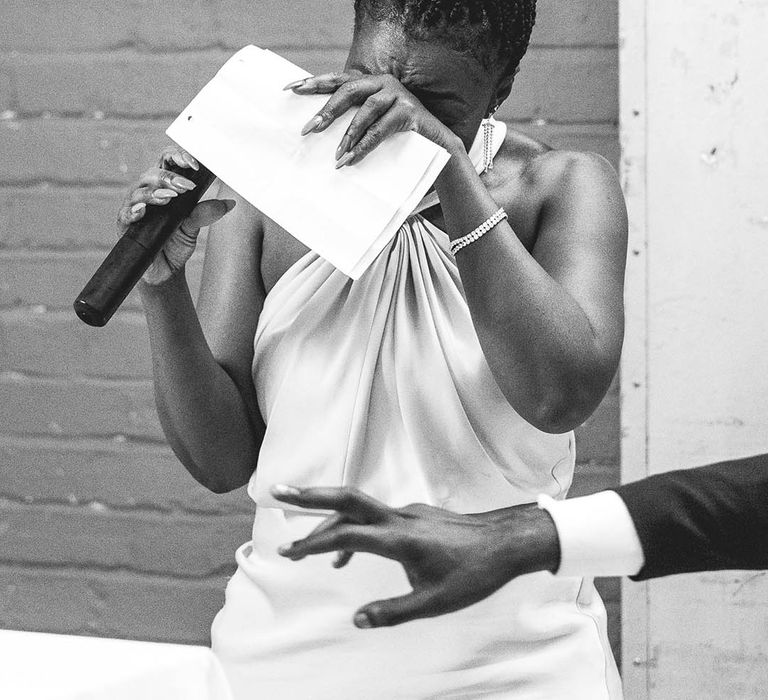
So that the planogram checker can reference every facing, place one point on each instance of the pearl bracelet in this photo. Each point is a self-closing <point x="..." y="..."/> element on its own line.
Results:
<point x="479" y="232"/>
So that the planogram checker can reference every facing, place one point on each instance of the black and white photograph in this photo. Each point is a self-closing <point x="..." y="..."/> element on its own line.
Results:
<point x="383" y="350"/>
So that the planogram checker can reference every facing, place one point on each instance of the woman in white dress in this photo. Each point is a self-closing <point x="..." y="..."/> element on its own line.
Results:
<point x="445" y="376"/>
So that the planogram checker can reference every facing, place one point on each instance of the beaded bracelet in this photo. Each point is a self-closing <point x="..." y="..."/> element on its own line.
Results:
<point x="479" y="232"/>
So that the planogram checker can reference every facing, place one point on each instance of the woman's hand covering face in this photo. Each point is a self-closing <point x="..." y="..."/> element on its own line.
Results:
<point x="451" y="560"/>
<point x="386" y="108"/>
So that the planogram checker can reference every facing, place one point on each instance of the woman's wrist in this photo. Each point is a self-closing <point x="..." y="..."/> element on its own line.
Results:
<point x="466" y="201"/>
<point x="176" y="279"/>
<point x="161" y="298"/>
<point x="458" y="168"/>
<point x="457" y="152"/>
<point x="453" y="144"/>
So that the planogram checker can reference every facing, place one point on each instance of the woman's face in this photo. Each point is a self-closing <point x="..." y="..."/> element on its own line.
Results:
<point x="451" y="85"/>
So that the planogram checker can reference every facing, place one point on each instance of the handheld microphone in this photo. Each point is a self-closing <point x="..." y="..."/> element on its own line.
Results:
<point x="136" y="250"/>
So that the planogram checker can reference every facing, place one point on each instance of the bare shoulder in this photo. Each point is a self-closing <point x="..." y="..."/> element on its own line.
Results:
<point x="535" y="182"/>
<point x="249" y="247"/>
<point x="549" y="172"/>
<point x="573" y="175"/>
<point x="249" y="219"/>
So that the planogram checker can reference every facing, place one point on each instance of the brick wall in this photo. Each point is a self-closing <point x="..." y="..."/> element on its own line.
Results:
<point x="101" y="530"/>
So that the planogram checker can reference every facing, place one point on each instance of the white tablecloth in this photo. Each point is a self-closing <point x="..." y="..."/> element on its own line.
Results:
<point x="36" y="666"/>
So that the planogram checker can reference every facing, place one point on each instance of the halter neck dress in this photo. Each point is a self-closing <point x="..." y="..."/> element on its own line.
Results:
<point x="380" y="383"/>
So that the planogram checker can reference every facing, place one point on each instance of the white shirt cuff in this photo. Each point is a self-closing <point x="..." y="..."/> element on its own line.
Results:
<point x="597" y="535"/>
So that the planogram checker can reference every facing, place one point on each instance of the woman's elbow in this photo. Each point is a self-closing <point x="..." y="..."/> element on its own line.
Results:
<point x="558" y="416"/>
<point x="210" y="475"/>
<point x="218" y="483"/>
<point x="557" y="410"/>
<point x="220" y="486"/>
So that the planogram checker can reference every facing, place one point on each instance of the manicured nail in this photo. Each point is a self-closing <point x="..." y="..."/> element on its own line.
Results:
<point x="311" y="125"/>
<point x="183" y="183"/>
<point x="163" y="193"/>
<point x="295" y="84"/>
<point x="345" y="159"/>
<point x="191" y="162"/>
<point x="283" y="490"/>
<point x="342" y="559"/>
<point x="284" y="549"/>
<point x="229" y="204"/>
<point x="342" y="147"/>
<point x="363" y="621"/>
<point x="136" y="208"/>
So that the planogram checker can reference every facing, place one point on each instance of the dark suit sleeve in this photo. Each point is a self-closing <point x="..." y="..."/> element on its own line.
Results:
<point x="705" y="519"/>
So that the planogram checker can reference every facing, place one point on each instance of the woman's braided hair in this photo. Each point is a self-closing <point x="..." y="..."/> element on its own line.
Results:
<point x="496" y="32"/>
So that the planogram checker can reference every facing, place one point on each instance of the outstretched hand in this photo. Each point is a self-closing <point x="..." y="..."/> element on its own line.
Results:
<point x="451" y="560"/>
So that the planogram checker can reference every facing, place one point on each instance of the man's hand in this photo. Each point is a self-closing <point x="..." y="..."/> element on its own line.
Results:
<point x="451" y="560"/>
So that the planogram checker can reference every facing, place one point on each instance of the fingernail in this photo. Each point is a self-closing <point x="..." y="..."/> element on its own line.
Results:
<point x="183" y="183"/>
<point x="229" y="204"/>
<point x="295" y="84"/>
<point x="191" y="162"/>
<point x="136" y="208"/>
<point x="342" y="147"/>
<point x="284" y="549"/>
<point x="363" y="621"/>
<point x="311" y="125"/>
<point x="163" y="193"/>
<point x="344" y="159"/>
<point x="283" y="490"/>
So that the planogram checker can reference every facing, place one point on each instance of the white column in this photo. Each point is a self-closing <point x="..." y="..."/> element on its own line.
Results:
<point x="694" y="110"/>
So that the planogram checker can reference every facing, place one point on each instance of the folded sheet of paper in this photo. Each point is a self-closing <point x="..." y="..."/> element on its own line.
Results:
<point x="247" y="130"/>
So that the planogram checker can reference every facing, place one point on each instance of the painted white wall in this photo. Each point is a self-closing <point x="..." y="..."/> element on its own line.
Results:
<point x="707" y="230"/>
<point x="694" y="110"/>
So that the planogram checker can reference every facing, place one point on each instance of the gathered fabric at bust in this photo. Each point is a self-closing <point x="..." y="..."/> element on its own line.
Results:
<point x="381" y="384"/>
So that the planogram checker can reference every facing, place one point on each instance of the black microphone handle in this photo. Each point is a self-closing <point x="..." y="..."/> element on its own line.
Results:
<point x="136" y="250"/>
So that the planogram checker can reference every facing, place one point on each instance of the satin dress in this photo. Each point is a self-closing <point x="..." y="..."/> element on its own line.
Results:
<point x="380" y="383"/>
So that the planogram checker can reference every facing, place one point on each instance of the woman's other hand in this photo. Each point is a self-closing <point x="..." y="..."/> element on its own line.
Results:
<point x="451" y="560"/>
<point x="158" y="186"/>
<point x="386" y="108"/>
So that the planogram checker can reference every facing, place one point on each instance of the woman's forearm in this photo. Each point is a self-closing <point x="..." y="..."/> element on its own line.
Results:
<point x="538" y="341"/>
<point x="204" y="416"/>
